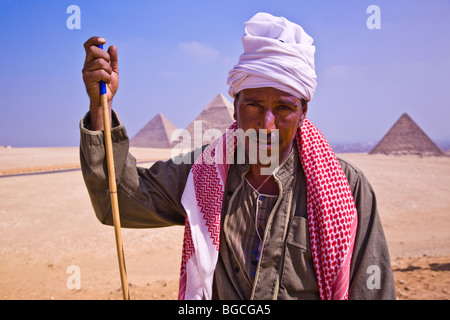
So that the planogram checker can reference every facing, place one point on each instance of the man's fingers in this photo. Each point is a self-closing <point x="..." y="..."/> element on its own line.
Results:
<point x="99" y="65"/>
<point x="112" y="51"/>
<point x="96" y="76"/>
<point x="93" y="41"/>
<point x="96" y="65"/>
<point x="94" y="52"/>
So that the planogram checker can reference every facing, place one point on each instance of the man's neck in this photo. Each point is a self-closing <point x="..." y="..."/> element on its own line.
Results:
<point x="261" y="182"/>
<point x="265" y="184"/>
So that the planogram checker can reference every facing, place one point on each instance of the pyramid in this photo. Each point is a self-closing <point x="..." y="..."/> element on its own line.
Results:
<point x="218" y="114"/>
<point x="155" y="134"/>
<point x="407" y="138"/>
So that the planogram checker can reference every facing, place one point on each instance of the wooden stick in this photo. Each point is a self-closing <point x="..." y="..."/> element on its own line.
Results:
<point x="113" y="190"/>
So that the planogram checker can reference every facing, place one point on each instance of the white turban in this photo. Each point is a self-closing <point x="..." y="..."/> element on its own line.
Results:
<point x="278" y="54"/>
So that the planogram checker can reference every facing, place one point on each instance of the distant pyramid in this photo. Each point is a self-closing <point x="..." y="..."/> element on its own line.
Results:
<point x="407" y="138"/>
<point x="155" y="134"/>
<point x="218" y="114"/>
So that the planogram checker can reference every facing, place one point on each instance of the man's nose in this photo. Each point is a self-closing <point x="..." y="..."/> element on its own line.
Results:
<point x="268" y="121"/>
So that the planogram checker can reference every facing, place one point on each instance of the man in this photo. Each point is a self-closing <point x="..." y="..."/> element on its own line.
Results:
<point x="309" y="229"/>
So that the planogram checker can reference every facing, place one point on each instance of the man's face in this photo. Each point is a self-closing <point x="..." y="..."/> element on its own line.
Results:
<point x="269" y="108"/>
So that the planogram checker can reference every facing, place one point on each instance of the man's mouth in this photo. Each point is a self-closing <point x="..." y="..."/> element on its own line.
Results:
<point x="263" y="144"/>
<point x="267" y="141"/>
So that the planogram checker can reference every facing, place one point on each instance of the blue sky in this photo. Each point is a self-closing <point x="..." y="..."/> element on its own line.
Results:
<point x="174" y="57"/>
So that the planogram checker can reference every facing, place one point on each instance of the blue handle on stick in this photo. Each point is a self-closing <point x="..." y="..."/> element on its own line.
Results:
<point x="102" y="83"/>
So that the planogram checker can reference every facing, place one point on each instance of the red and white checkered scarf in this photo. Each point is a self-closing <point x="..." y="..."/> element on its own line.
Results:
<point x="332" y="216"/>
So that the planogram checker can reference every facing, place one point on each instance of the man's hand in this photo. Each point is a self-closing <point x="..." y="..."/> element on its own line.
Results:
<point x="100" y="65"/>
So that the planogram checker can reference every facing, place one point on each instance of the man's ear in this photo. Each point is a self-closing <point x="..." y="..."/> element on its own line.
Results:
<point x="304" y="107"/>
<point x="235" y="104"/>
<point x="304" y="111"/>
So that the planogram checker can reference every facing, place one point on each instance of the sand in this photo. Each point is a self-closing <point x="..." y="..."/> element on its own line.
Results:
<point x="47" y="226"/>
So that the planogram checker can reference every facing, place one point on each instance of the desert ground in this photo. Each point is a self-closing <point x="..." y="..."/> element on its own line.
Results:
<point x="47" y="226"/>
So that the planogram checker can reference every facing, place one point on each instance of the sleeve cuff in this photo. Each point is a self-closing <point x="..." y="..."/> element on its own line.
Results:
<point x="93" y="137"/>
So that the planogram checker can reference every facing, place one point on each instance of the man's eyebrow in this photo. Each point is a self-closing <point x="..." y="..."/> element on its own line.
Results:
<point x="288" y="102"/>
<point x="251" y="99"/>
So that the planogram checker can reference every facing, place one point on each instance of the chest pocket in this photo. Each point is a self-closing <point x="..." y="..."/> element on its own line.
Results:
<point x="299" y="277"/>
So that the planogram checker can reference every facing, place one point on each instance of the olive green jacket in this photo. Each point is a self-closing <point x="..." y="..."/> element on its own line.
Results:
<point x="151" y="197"/>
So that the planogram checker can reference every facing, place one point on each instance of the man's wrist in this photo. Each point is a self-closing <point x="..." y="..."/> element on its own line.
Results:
<point x="96" y="117"/>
